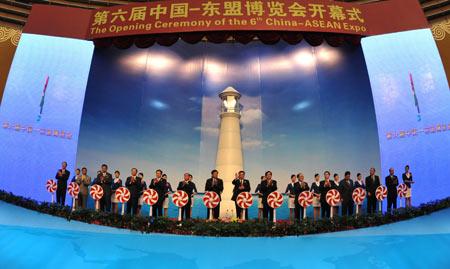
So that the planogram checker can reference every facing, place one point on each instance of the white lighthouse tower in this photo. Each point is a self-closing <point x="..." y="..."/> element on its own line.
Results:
<point x="229" y="151"/>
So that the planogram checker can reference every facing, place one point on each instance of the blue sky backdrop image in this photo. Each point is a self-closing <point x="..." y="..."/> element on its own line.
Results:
<point x="305" y="109"/>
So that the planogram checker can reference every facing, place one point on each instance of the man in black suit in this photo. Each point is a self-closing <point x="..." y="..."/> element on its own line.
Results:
<point x="134" y="185"/>
<point x="240" y="185"/>
<point x="324" y="186"/>
<point x="62" y="176"/>
<point x="214" y="184"/>
<point x="391" y="182"/>
<point x="159" y="185"/>
<point x="267" y="186"/>
<point x="104" y="179"/>
<point x="189" y="187"/>
<point x="372" y="183"/>
<point x="346" y="188"/>
<point x="299" y="187"/>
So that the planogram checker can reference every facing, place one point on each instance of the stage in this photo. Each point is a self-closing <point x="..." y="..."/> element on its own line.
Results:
<point x="231" y="108"/>
<point x="30" y="239"/>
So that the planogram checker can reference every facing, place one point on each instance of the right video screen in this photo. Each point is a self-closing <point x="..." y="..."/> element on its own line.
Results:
<point x="412" y="105"/>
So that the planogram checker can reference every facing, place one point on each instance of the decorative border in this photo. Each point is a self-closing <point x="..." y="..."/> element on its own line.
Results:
<point x="440" y="29"/>
<point x="11" y="34"/>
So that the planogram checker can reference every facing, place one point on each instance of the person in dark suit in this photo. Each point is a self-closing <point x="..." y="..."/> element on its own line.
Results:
<point x="267" y="186"/>
<point x="141" y="193"/>
<point x="291" y="202"/>
<point x="195" y="191"/>
<point x="76" y="178"/>
<point x="214" y="184"/>
<point x="134" y="185"/>
<point x="159" y="185"/>
<point x="62" y="176"/>
<point x="240" y="185"/>
<point x="187" y="186"/>
<point x="336" y="207"/>
<point x="104" y="179"/>
<point x="258" y="192"/>
<point x="324" y="187"/>
<point x="359" y="183"/>
<point x="77" y="175"/>
<point x="346" y="188"/>
<point x="166" y="196"/>
<point x="391" y="182"/>
<point x="299" y="187"/>
<point x="372" y="183"/>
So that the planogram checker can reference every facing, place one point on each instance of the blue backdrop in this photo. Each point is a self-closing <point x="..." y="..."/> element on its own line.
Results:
<point x="305" y="109"/>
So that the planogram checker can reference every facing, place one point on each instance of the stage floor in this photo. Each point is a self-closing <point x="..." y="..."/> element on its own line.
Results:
<point x="32" y="240"/>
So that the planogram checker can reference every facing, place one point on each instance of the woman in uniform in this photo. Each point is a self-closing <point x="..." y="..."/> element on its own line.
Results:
<point x="117" y="183"/>
<point x="316" y="192"/>
<point x="291" y="202"/>
<point x="408" y="180"/>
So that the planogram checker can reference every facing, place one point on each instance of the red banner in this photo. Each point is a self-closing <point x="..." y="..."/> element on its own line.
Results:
<point x="206" y="15"/>
<point x="248" y="15"/>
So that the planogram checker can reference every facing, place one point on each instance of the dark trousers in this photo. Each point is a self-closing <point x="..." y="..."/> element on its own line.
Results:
<point x="325" y="208"/>
<point x="371" y="204"/>
<point x="239" y="212"/>
<point x="267" y="212"/>
<point x="347" y="208"/>
<point x="105" y="202"/>
<point x="61" y="194"/>
<point x="132" y="205"/>
<point x="186" y="211"/>
<point x="299" y="211"/>
<point x="157" y="209"/>
<point x="391" y="202"/>
<point x="216" y="212"/>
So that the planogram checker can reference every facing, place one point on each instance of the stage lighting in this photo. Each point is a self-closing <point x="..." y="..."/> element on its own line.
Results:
<point x="327" y="55"/>
<point x="160" y="62"/>
<point x="135" y="62"/>
<point x="305" y="59"/>
<point x="216" y="71"/>
<point x="276" y="64"/>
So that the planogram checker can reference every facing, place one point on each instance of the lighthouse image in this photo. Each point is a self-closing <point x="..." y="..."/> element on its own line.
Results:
<point x="229" y="150"/>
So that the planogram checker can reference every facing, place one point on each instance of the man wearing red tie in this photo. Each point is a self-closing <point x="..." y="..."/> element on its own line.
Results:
<point x="214" y="184"/>
<point x="159" y="185"/>
<point x="104" y="179"/>
<point x="267" y="186"/>
<point x="240" y="185"/>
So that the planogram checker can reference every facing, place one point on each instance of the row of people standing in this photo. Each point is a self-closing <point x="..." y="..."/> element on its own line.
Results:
<point x="109" y="183"/>
<point x="136" y="184"/>
<point x="345" y="187"/>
